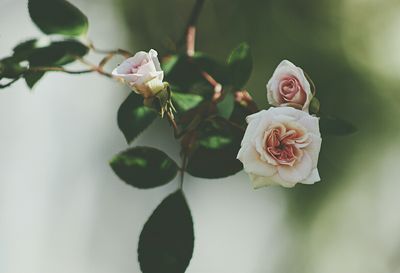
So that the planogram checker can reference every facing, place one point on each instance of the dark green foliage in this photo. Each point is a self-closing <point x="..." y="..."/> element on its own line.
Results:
<point x="167" y="239"/>
<point x="240" y="64"/>
<point x="216" y="145"/>
<point x="134" y="117"/>
<point x="144" y="167"/>
<point x="56" y="54"/>
<point x="11" y="68"/>
<point x="225" y="107"/>
<point x="330" y="125"/>
<point x="58" y="17"/>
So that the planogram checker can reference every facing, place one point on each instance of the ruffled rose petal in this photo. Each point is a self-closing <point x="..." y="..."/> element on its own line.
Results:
<point x="313" y="178"/>
<point x="313" y="148"/>
<point x="140" y="71"/>
<point x="284" y="71"/>
<point x="252" y="163"/>
<point x="261" y="181"/>
<point x="298" y="172"/>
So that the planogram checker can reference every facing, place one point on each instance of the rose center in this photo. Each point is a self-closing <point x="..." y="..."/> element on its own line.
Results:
<point x="291" y="90"/>
<point x="135" y="67"/>
<point x="283" y="145"/>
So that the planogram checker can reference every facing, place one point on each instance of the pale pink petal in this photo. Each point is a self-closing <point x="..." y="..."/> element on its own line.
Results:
<point x="153" y="55"/>
<point x="313" y="178"/>
<point x="252" y="162"/>
<point x="311" y="123"/>
<point x="298" y="172"/>
<point x="314" y="148"/>
<point x="261" y="181"/>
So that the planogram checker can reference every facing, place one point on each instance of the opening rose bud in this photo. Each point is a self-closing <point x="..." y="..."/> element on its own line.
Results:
<point x="142" y="73"/>
<point x="281" y="147"/>
<point x="288" y="86"/>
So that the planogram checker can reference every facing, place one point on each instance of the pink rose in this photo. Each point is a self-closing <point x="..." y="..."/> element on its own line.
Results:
<point x="142" y="73"/>
<point x="288" y="86"/>
<point x="281" y="146"/>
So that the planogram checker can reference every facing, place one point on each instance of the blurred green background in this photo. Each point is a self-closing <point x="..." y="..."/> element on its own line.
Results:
<point x="351" y="50"/>
<point x="349" y="222"/>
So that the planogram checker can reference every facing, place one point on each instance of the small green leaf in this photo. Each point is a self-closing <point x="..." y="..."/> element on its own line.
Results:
<point x="31" y="78"/>
<point x="58" y="17"/>
<point x="144" y="167"/>
<point x="225" y="107"/>
<point x="186" y="72"/>
<point x="134" y="117"/>
<point x="314" y="105"/>
<point x="335" y="126"/>
<point x="240" y="63"/>
<point x="216" y="148"/>
<point x="57" y="53"/>
<point x="205" y="63"/>
<point x="167" y="240"/>
<point x="239" y="114"/>
<point x="11" y="68"/>
<point x="169" y="63"/>
<point x="184" y="102"/>
<point x="23" y="50"/>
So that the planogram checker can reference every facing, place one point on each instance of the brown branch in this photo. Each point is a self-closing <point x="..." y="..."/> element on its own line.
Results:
<point x="117" y="51"/>
<point x="95" y="68"/>
<point x="58" y="69"/>
<point x="177" y="133"/>
<point x="183" y="169"/>
<point x="190" y="29"/>
<point x="9" y="83"/>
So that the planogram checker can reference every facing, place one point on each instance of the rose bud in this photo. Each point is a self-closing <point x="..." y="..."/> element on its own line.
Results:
<point x="142" y="73"/>
<point x="281" y="147"/>
<point x="288" y="86"/>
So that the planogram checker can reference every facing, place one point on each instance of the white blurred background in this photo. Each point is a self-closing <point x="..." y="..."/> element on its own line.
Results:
<point x="63" y="210"/>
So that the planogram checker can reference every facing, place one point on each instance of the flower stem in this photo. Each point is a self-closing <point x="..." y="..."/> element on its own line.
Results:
<point x="182" y="170"/>
<point x="9" y="83"/>
<point x="190" y="29"/>
<point x="117" y="51"/>
<point x="59" y="69"/>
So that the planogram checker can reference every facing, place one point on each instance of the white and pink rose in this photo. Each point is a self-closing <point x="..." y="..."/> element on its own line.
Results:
<point x="142" y="73"/>
<point x="281" y="147"/>
<point x="288" y="86"/>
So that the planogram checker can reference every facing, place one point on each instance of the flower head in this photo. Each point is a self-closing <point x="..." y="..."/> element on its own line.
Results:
<point x="281" y="146"/>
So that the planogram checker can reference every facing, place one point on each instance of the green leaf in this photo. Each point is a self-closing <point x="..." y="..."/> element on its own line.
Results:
<point x="23" y="50"/>
<point x="239" y="114"/>
<point x="225" y="107"/>
<point x="184" y="102"/>
<point x="186" y="72"/>
<point x="31" y="78"/>
<point x="11" y="68"/>
<point x="314" y="105"/>
<point x="144" y="167"/>
<point x="240" y="64"/>
<point x="169" y="63"/>
<point x="167" y="240"/>
<point x="335" y="126"/>
<point x="216" y="148"/>
<point x="57" y="53"/>
<point x="205" y="63"/>
<point x="58" y="17"/>
<point x="134" y="117"/>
